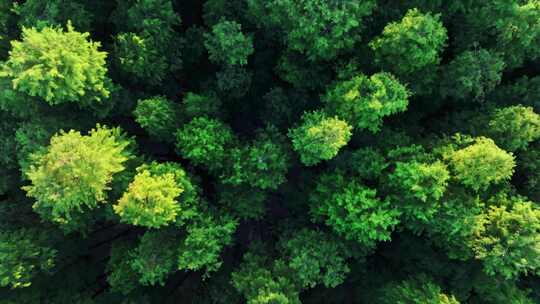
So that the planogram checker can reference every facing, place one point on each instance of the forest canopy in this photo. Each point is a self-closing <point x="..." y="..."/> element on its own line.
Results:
<point x="270" y="151"/>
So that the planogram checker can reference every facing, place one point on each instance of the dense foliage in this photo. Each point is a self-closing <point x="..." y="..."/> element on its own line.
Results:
<point x="270" y="151"/>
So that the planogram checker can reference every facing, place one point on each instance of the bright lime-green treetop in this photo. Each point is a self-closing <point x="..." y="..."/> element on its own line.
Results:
<point x="482" y="163"/>
<point x="151" y="199"/>
<point x="58" y="66"/>
<point x="75" y="171"/>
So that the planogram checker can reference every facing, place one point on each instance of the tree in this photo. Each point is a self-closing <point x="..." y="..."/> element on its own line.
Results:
<point x="152" y="197"/>
<point x="263" y="283"/>
<point x="147" y="47"/>
<point x="412" y="44"/>
<point x="39" y="14"/>
<point x="506" y="239"/>
<point x="319" y="137"/>
<point x="415" y="290"/>
<point x="419" y="186"/>
<point x="263" y="163"/>
<point x="205" y="141"/>
<point x="319" y="29"/>
<point x="482" y="164"/>
<point x="75" y="171"/>
<point x="352" y="210"/>
<point x="23" y="254"/>
<point x="58" y="66"/>
<point x="315" y="257"/>
<point x="226" y="44"/>
<point x="363" y="101"/>
<point x="154" y="257"/>
<point x="515" y="127"/>
<point x="473" y="75"/>
<point x="194" y="105"/>
<point x="205" y="240"/>
<point x="158" y="116"/>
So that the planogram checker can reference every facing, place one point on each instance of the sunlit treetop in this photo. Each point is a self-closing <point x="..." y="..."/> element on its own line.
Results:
<point x="57" y="65"/>
<point x="411" y="44"/>
<point x="481" y="164"/>
<point x="151" y="199"/>
<point x="75" y="171"/>
<point x="507" y="241"/>
<point x="515" y="127"/>
<point x="319" y="137"/>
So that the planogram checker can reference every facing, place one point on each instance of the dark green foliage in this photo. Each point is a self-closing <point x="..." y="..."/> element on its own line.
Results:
<point x="472" y="75"/>
<point x="269" y="151"/>
<point x="204" y="242"/>
<point x="316" y="258"/>
<point x="226" y="44"/>
<point x="148" y="48"/>
<point x="194" y="105"/>
<point x="320" y="29"/>
<point x="23" y="254"/>
<point x="158" y="116"/>
<point x="40" y="14"/>
<point x="264" y="163"/>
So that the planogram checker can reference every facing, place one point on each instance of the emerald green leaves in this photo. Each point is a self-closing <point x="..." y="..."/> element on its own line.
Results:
<point x="227" y="45"/>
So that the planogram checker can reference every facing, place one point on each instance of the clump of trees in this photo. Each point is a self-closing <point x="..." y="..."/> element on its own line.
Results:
<point x="269" y="151"/>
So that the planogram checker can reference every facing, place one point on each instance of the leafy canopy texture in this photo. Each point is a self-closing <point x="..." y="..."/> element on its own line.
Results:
<point x="410" y="44"/>
<point x="158" y="116"/>
<point x="320" y="29"/>
<point x="58" y="66"/>
<point x="227" y="44"/>
<point x="515" y="127"/>
<point x="506" y="239"/>
<point x="353" y="210"/>
<point x="319" y="137"/>
<point x="482" y="164"/>
<point x="364" y="101"/>
<point x="75" y="171"/>
<point x="151" y="199"/>
<point x="23" y="254"/>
